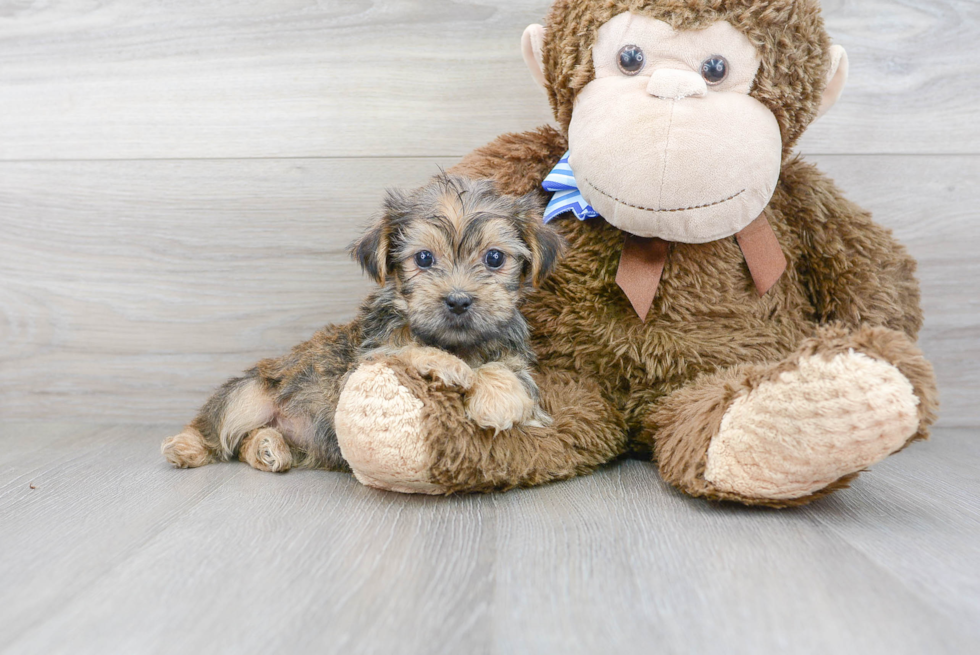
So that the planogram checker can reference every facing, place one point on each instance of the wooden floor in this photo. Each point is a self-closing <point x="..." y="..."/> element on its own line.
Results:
<point x="178" y="182"/>
<point x="106" y="549"/>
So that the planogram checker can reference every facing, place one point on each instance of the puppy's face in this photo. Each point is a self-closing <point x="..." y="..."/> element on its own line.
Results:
<point x="458" y="257"/>
<point x="460" y="273"/>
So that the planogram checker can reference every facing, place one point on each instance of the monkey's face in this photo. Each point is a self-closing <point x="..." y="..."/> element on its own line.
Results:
<point x="666" y="140"/>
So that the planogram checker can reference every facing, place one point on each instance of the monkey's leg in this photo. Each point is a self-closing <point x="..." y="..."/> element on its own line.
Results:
<point x="789" y="432"/>
<point x="401" y="431"/>
<point x="238" y="407"/>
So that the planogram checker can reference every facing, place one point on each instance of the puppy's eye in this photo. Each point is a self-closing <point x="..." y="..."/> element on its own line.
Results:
<point x="424" y="259"/>
<point x="494" y="258"/>
<point x="631" y="60"/>
<point x="714" y="70"/>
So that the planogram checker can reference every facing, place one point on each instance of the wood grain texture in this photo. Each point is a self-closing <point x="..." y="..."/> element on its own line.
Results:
<point x="125" y="285"/>
<point x="262" y="78"/>
<point x="103" y="509"/>
<point x="215" y="160"/>
<point x="129" y="290"/>
<point x="114" y="551"/>
<point x="267" y="78"/>
<point x="906" y="92"/>
<point x="932" y="203"/>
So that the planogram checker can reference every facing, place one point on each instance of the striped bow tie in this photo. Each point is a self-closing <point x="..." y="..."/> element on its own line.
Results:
<point x="567" y="198"/>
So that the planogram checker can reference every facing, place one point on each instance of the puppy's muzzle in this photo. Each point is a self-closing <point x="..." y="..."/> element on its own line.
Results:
<point x="458" y="303"/>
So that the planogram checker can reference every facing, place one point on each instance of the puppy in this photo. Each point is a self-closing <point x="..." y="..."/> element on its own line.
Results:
<point x="454" y="260"/>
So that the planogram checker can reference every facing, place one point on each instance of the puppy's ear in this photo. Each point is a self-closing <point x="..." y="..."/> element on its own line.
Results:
<point x="544" y="242"/>
<point x="547" y="248"/>
<point x="373" y="250"/>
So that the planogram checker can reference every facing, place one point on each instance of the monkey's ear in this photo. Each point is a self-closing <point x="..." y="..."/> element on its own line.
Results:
<point x="836" y="79"/>
<point x="532" y="46"/>
<point x="372" y="251"/>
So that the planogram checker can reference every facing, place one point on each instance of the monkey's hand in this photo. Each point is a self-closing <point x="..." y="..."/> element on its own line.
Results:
<point x="403" y="432"/>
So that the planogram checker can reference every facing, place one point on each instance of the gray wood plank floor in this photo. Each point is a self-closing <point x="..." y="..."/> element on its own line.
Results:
<point x="177" y="183"/>
<point x="112" y="551"/>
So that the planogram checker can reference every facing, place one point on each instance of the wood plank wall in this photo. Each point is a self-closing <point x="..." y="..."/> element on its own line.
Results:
<point x="178" y="180"/>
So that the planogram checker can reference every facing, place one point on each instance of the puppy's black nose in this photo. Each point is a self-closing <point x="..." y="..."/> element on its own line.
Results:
<point x="458" y="302"/>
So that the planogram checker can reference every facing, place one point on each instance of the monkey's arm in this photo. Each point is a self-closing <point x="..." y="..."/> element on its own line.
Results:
<point x="854" y="269"/>
<point x="517" y="162"/>
<point x="403" y="432"/>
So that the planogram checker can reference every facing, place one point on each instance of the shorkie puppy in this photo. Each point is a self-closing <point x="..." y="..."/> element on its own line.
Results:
<point x="453" y="260"/>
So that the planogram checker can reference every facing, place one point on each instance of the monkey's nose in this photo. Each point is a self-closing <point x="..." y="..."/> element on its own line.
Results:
<point x="673" y="84"/>
<point x="458" y="302"/>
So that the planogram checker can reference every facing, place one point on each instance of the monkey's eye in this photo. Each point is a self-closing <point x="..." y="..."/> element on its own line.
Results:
<point x="424" y="259"/>
<point x="631" y="60"/>
<point x="494" y="258"/>
<point x="714" y="70"/>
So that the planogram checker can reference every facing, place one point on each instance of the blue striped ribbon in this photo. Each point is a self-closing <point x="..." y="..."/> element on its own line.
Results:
<point x="561" y="181"/>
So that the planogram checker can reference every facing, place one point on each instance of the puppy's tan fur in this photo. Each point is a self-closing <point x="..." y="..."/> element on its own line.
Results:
<point x="280" y="413"/>
<point x="497" y="399"/>
<point x="266" y="450"/>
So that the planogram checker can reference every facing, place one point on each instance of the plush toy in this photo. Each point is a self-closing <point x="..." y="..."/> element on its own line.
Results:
<point x="722" y="308"/>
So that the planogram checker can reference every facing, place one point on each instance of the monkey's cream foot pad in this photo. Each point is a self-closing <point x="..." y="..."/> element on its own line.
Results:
<point x="379" y="427"/>
<point x="796" y="434"/>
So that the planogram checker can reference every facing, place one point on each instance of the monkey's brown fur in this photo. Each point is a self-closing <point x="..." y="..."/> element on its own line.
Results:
<point x="614" y="384"/>
<point x="280" y="413"/>
<point x="789" y="35"/>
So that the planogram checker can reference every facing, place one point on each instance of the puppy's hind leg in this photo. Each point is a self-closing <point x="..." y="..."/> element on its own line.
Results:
<point x="187" y="449"/>
<point x="240" y="406"/>
<point x="265" y="449"/>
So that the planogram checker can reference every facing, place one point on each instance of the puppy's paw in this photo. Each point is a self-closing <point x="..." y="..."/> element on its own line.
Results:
<point x="499" y="400"/>
<point x="186" y="450"/>
<point x="266" y="450"/>
<point x="538" y="418"/>
<point x="438" y="365"/>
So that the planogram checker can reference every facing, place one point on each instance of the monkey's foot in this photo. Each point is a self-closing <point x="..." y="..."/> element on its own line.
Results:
<point x="811" y="425"/>
<point x="379" y="424"/>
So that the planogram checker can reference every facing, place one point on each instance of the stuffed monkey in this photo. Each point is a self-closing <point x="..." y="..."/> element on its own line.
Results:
<point x="722" y="307"/>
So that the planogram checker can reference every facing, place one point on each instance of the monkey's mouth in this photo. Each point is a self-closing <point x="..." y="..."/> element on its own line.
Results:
<point x="663" y="211"/>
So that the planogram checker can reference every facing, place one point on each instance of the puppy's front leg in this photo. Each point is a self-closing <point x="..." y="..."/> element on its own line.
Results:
<point x="499" y="399"/>
<point x="537" y="418"/>
<point x="438" y="365"/>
